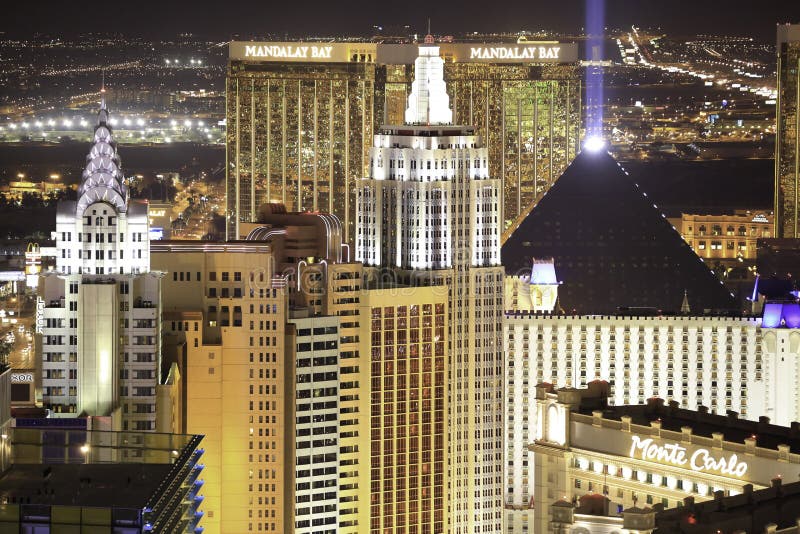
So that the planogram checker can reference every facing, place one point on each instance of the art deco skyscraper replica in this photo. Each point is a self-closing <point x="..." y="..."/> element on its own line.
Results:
<point x="101" y="332"/>
<point x="787" y="147"/>
<point x="429" y="214"/>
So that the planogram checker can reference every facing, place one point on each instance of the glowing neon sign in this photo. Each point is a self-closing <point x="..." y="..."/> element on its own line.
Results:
<point x="699" y="460"/>
<point x="515" y="52"/>
<point x="39" y="315"/>
<point x="22" y="378"/>
<point x="288" y="51"/>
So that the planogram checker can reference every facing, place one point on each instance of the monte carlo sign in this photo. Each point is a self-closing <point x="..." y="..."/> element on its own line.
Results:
<point x="698" y="460"/>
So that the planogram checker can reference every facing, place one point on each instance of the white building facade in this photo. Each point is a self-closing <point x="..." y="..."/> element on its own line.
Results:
<point x="316" y="406"/>
<point x="430" y="213"/>
<point x="101" y="332"/>
<point x="722" y="363"/>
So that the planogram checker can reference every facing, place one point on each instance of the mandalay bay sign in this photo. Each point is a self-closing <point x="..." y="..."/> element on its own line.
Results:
<point x="674" y="454"/>
<point x="523" y="53"/>
<point x="402" y="54"/>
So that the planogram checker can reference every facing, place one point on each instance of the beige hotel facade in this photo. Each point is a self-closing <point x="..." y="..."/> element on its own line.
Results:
<point x="647" y="455"/>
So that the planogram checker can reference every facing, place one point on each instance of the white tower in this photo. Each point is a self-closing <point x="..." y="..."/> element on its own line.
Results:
<point x="430" y="212"/>
<point x="101" y="338"/>
<point x="428" y="102"/>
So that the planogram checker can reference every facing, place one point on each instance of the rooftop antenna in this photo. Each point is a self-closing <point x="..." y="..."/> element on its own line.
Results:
<point x="103" y="90"/>
<point x="428" y="36"/>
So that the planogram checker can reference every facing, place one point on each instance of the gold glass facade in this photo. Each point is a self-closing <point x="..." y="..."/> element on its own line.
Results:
<point x="407" y="342"/>
<point x="787" y="144"/>
<point x="528" y="118"/>
<point x="299" y="132"/>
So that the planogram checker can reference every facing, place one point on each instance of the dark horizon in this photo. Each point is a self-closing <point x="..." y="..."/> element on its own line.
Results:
<point x="246" y="19"/>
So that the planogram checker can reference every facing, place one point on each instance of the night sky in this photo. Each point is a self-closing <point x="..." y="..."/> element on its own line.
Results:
<point x="295" y="18"/>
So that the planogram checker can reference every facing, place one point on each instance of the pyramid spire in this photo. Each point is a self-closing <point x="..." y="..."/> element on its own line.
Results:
<point x="685" y="304"/>
<point x="103" y="90"/>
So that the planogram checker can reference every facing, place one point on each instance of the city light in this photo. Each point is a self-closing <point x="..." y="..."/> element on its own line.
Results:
<point x="642" y="294"/>
<point x="594" y="143"/>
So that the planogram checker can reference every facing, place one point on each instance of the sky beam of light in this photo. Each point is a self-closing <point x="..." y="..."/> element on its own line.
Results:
<point x="595" y="44"/>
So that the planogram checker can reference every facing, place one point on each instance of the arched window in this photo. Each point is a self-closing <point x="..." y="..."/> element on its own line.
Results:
<point x="730" y="230"/>
<point x="702" y="230"/>
<point x="716" y="230"/>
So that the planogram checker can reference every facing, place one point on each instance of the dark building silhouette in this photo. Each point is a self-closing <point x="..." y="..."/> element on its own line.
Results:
<point x="613" y="248"/>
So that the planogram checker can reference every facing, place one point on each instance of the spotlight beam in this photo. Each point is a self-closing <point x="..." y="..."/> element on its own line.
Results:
<point x="595" y="44"/>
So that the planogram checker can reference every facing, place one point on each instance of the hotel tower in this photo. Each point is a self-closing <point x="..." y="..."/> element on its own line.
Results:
<point x="787" y="144"/>
<point x="429" y="215"/>
<point x="301" y="117"/>
<point x="101" y="307"/>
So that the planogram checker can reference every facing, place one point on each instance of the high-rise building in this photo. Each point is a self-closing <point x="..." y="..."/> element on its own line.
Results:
<point x="670" y="357"/>
<point x="266" y="331"/>
<point x="224" y="321"/>
<point x="308" y="251"/>
<point x="429" y="213"/>
<point x="101" y="306"/>
<point x="406" y="337"/>
<point x="301" y="116"/>
<point x="787" y="143"/>
<point x="313" y="420"/>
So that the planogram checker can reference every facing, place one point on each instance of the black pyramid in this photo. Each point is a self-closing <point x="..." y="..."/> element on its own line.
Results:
<point x="612" y="247"/>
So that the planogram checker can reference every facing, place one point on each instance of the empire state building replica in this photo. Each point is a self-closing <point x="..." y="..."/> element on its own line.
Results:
<point x="429" y="214"/>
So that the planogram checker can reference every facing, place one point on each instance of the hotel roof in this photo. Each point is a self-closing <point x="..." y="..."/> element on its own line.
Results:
<point x="97" y="485"/>
<point x="702" y="423"/>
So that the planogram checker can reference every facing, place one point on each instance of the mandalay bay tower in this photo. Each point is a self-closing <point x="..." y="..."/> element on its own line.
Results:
<point x="301" y="118"/>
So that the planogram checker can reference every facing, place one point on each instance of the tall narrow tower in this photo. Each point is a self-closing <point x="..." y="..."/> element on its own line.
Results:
<point x="429" y="214"/>
<point x="101" y="333"/>
<point x="787" y="142"/>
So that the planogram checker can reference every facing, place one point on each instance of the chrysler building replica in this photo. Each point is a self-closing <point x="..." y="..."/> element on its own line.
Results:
<point x="429" y="214"/>
<point x="101" y="316"/>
